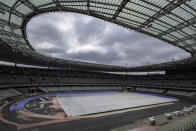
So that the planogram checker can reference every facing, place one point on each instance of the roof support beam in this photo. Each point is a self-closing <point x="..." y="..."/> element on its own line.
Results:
<point x="13" y="25"/>
<point x="120" y="8"/>
<point x="29" y="4"/>
<point x="8" y="9"/>
<point x="12" y="8"/>
<point x="142" y="31"/>
<point x="193" y="45"/>
<point x="81" y="1"/>
<point x="58" y="4"/>
<point x="88" y="6"/>
<point x="193" y="36"/>
<point x="167" y="9"/>
<point x="179" y="26"/>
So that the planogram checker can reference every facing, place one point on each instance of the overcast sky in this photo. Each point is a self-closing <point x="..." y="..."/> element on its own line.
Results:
<point x="80" y="37"/>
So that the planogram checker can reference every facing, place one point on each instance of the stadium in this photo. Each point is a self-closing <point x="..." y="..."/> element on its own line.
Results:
<point x="71" y="95"/>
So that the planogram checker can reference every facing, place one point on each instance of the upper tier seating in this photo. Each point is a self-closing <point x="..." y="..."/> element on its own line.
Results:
<point x="42" y="77"/>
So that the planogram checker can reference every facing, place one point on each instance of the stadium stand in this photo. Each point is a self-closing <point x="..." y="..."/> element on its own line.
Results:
<point x="6" y="93"/>
<point x="47" y="80"/>
<point x="56" y="80"/>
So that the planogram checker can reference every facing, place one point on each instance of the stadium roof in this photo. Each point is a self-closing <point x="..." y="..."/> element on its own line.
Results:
<point x="172" y="21"/>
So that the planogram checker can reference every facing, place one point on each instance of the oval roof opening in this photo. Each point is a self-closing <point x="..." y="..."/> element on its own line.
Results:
<point x="84" y="38"/>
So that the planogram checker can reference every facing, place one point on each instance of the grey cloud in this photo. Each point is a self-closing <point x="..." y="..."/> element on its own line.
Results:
<point x="84" y="31"/>
<point x="52" y="50"/>
<point x="39" y="33"/>
<point x="122" y="46"/>
<point x="91" y="56"/>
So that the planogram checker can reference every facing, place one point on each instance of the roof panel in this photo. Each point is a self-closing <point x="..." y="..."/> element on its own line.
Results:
<point x="140" y="9"/>
<point x="40" y="2"/>
<point x="15" y="19"/>
<point x="192" y="3"/>
<point x="170" y="21"/>
<point x="47" y="6"/>
<point x="10" y="3"/>
<point x="182" y="13"/>
<point x="189" y="31"/>
<point x="4" y="16"/>
<point x="24" y="9"/>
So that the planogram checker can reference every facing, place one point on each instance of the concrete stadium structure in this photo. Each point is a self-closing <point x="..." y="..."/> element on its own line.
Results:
<point x="172" y="21"/>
